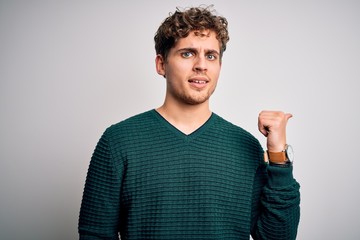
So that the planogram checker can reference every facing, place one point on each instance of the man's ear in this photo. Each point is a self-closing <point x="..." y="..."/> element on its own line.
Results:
<point x="160" y="65"/>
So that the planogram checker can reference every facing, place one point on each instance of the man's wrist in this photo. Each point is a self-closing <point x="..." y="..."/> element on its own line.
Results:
<point x="284" y="157"/>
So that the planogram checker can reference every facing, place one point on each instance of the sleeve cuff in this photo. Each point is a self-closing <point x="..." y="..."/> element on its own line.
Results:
<point x="280" y="176"/>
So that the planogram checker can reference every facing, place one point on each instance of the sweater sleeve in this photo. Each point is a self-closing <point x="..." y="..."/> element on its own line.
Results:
<point x="276" y="204"/>
<point x="100" y="207"/>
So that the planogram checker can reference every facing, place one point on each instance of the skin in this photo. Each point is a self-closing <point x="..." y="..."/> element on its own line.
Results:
<point x="192" y="70"/>
<point x="272" y="124"/>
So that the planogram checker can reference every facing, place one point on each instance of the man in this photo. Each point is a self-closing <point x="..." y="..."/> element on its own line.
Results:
<point x="181" y="171"/>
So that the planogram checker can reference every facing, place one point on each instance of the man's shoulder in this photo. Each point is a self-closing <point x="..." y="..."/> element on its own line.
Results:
<point x="133" y="123"/>
<point x="235" y="131"/>
<point x="138" y="118"/>
<point x="231" y="127"/>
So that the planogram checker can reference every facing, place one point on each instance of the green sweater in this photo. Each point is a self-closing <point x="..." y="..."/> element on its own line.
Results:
<point x="148" y="180"/>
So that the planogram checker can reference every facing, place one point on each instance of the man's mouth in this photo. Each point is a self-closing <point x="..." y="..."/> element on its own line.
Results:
<point x="198" y="81"/>
<point x="198" y="84"/>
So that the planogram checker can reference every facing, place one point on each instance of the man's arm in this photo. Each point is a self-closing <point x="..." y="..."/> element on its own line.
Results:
<point x="276" y="204"/>
<point x="276" y="198"/>
<point x="100" y="207"/>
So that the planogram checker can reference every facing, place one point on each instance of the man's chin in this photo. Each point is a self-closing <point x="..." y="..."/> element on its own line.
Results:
<point x="196" y="100"/>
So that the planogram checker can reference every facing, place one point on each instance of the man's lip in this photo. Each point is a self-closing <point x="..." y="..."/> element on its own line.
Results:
<point x="198" y="80"/>
<point x="198" y="83"/>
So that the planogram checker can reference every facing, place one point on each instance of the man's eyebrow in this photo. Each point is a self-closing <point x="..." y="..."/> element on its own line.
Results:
<point x="187" y="50"/>
<point x="212" y="51"/>
<point x="207" y="51"/>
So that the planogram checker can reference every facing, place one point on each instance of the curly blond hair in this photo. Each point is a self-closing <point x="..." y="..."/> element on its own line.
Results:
<point x="181" y="23"/>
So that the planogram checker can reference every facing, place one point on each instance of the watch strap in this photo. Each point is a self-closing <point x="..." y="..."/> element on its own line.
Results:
<point x="277" y="157"/>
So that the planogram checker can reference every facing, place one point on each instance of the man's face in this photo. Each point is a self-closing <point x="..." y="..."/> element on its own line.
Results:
<point x="192" y="68"/>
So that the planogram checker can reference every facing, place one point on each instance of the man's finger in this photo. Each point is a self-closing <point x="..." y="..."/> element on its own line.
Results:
<point x="288" y="116"/>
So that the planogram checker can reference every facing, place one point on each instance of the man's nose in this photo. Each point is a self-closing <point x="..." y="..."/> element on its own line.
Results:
<point x="200" y="64"/>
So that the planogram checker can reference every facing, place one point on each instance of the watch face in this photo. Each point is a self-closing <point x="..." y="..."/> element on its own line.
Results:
<point x="290" y="153"/>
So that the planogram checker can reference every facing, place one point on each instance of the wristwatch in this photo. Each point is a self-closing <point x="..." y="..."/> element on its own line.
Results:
<point x="284" y="157"/>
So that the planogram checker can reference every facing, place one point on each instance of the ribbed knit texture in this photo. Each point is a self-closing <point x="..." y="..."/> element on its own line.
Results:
<point x="148" y="180"/>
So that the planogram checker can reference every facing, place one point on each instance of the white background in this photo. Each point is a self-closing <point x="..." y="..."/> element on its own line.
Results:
<point x="69" y="69"/>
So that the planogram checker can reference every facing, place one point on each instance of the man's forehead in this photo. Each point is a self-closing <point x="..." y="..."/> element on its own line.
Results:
<point x="208" y="36"/>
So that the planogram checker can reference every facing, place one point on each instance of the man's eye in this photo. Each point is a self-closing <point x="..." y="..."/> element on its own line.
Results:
<point x="211" y="57"/>
<point x="186" y="54"/>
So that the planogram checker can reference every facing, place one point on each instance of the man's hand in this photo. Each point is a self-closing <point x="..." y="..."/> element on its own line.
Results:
<point x="272" y="124"/>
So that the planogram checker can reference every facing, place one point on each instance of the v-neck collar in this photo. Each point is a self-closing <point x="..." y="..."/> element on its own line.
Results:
<point x="180" y="134"/>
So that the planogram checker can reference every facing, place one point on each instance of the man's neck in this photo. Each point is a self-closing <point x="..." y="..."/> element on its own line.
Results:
<point x="186" y="118"/>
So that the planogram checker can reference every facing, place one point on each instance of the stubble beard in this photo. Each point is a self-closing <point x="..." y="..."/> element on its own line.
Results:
<point x="195" y="98"/>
